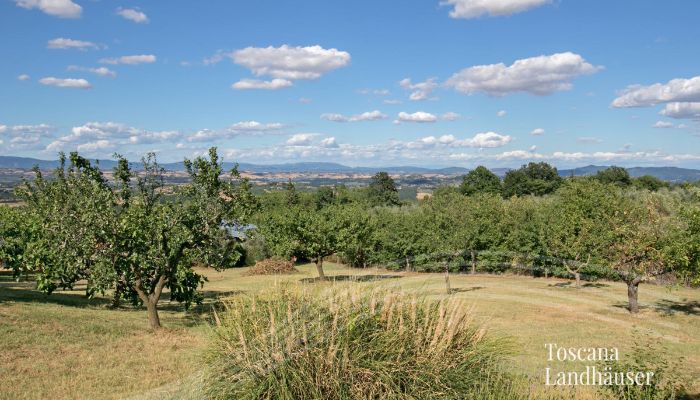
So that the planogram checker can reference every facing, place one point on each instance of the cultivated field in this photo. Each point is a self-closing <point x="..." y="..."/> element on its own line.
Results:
<point x="66" y="346"/>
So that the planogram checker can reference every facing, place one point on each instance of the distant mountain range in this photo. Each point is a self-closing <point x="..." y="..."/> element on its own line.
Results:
<point x="672" y="174"/>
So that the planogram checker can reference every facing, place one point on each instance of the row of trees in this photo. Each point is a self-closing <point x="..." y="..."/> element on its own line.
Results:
<point x="586" y="227"/>
<point x="126" y="235"/>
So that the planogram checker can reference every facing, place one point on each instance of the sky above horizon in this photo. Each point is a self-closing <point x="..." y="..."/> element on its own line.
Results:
<point x="363" y="83"/>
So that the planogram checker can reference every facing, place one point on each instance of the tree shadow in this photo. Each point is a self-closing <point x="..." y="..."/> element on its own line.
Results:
<point x="350" y="278"/>
<point x="468" y="289"/>
<point x="24" y="292"/>
<point x="597" y="285"/>
<point x="670" y="307"/>
<point x="570" y="284"/>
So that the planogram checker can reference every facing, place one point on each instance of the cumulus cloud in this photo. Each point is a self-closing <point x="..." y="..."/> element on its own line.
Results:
<point x="101" y="71"/>
<point x="301" y="139"/>
<point x="130" y="60"/>
<point x="502" y="113"/>
<point x="329" y="142"/>
<point x="537" y="132"/>
<point x="542" y="75"/>
<point x="468" y="9"/>
<point x="56" y="8"/>
<point x="418" y="116"/>
<point x="133" y="14"/>
<point x="676" y="90"/>
<point x="291" y="63"/>
<point x="65" y="43"/>
<point x="65" y="82"/>
<point x="450" y="116"/>
<point x="365" y="116"/>
<point x="23" y="77"/>
<point x="24" y="137"/>
<point x="420" y="90"/>
<point x="682" y="110"/>
<point x="274" y="84"/>
<point x="243" y="128"/>
<point x="663" y="125"/>
<point x="94" y="136"/>
<point x="376" y="92"/>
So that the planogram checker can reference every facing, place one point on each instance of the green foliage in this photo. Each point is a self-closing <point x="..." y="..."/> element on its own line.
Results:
<point x="649" y="355"/>
<point x="614" y="176"/>
<point x="480" y="180"/>
<point x="353" y="344"/>
<point x="324" y="196"/>
<point x="126" y="236"/>
<point x="382" y="191"/>
<point x="534" y="178"/>
<point x="650" y="183"/>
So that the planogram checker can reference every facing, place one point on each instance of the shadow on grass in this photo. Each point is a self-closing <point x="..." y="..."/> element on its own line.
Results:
<point x="350" y="278"/>
<point x="468" y="289"/>
<point x="570" y="284"/>
<point x="670" y="307"/>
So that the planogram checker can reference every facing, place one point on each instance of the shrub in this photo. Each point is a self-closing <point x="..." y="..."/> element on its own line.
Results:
<point x="352" y="344"/>
<point x="648" y="355"/>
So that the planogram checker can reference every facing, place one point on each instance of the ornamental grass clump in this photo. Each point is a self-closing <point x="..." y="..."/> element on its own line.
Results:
<point x="352" y="344"/>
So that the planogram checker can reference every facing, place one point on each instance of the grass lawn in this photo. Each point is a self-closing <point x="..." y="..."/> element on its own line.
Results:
<point x="67" y="346"/>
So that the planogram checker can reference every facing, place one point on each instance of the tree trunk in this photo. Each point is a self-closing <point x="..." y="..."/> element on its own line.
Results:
<point x="633" y="295"/>
<point x="319" y="268"/>
<point x="408" y="264"/>
<point x="473" y="262"/>
<point x="447" y="279"/>
<point x="118" y="290"/>
<point x="576" y="274"/>
<point x="153" y="318"/>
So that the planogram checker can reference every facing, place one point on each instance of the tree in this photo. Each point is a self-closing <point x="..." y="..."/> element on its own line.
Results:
<point x="130" y="237"/>
<point x="650" y="183"/>
<point x="614" y="176"/>
<point x="534" y="178"/>
<point x="480" y="180"/>
<point x="324" y="196"/>
<point x="355" y="226"/>
<point x="382" y="190"/>
<point x="642" y="246"/>
<point x="303" y="233"/>
<point x="579" y="224"/>
<point x="291" y="195"/>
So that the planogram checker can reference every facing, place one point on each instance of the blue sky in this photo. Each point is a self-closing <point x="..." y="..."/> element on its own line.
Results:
<point x="430" y="83"/>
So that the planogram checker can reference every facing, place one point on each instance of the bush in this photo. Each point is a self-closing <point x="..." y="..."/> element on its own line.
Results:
<point x="352" y="344"/>
<point x="649" y="355"/>
<point x="272" y="266"/>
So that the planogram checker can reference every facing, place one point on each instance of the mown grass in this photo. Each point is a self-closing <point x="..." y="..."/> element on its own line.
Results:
<point x="65" y="346"/>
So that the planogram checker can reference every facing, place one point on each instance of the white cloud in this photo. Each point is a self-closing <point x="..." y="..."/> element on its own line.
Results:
<point x="301" y="139"/>
<point x="365" y="116"/>
<point x="130" y="60"/>
<point x="682" y="110"/>
<point x="57" y="8"/>
<point x="450" y="116"/>
<point x="92" y="137"/>
<point x="101" y="71"/>
<point x="420" y="90"/>
<point x="676" y="90"/>
<point x="65" y="43"/>
<point x="23" y="77"/>
<point x="663" y="125"/>
<point x="588" y="139"/>
<point x="391" y="101"/>
<point x="329" y="142"/>
<point x="25" y="137"/>
<point x="467" y="9"/>
<point x="133" y="15"/>
<point x="502" y="113"/>
<point x="418" y="116"/>
<point x="540" y="75"/>
<point x="65" y="82"/>
<point x="376" y="92"/>
<point x="291" y="63"/>
<point x="485" y="140"/>
<point x="537" y="132"/>
<point x="243" y="128"/>
<point x="247" y="84"/>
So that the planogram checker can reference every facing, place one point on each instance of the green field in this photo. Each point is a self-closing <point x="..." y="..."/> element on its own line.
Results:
<point x="66" y="346"/>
